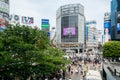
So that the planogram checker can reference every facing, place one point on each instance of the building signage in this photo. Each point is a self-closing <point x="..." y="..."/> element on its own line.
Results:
<point x="118" y="26"/>
<point x="21" y="19"/>
<point x="45" y="23"/>
<point x="27" y="20"/>
<point x="91" y="22"/>
<point x="107" y="24"/>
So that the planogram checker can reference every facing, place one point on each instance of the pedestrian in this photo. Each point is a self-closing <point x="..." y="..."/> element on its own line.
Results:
<point x="69" y="68"/>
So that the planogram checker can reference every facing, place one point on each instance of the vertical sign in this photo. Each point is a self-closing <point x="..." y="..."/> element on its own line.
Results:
<point x="45" y="24"/>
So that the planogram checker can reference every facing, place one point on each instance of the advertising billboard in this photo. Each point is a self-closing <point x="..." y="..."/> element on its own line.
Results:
<point x="118" y="26"/>
<point x="107" y="24"/>
<point x="69" y="31"/>
<point x="27" y="20"/>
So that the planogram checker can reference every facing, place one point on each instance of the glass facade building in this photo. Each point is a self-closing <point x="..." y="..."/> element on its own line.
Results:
<point x="70" y="26"/>
<point x="115" y="8"/>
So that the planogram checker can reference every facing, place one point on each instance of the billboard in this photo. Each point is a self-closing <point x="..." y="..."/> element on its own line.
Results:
<point x="27" y="20"/>
<point x="107" y="24"/>
<point x="45" y="24"/>
<point x="118" y="26"/>
<point x="69" y="31"/>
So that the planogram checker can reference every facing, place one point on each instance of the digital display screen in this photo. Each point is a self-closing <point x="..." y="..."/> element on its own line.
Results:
<point x="118" y="26"/>
<point x="69" y="31"/>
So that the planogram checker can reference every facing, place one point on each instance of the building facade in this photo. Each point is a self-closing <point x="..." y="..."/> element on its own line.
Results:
<point x="107" y="27"/>
<point x="115" y="8"/>
<point x="70" y="27"/>
<point x="4" y="12"/>
<point x="91" y="35"/>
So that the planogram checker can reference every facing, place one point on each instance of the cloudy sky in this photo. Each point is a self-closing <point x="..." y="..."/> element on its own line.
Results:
<point x="40" y="9"/>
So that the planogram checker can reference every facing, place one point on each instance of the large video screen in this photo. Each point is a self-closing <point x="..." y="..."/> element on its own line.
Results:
<point x="118" y="26"/>
<point x="69" y="31"/>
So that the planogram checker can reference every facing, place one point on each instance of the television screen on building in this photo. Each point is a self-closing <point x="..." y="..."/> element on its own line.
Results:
<point x="69" y="31"/>
<point x="118" y="26"/>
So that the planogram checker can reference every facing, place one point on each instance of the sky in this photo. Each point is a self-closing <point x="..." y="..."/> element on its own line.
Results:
<point x="46" y="9"/>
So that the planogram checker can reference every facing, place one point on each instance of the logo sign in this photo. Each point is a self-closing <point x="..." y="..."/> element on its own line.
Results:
<point x="27" y="20"/>
<point x="16" y="17"/>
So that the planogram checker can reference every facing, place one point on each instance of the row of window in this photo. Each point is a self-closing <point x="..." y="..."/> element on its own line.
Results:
<point x="6" y="1"/>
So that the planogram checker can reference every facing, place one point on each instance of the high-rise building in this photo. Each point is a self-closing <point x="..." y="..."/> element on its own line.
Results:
<point x="70" y="27"/>
<point x="107" y="27"/>
<point x="91" y="35"/>
<point x="115" y="8"/>
<point x="4" y="12"/>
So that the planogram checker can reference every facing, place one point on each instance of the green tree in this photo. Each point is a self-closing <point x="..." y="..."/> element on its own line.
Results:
<point x="25" y="52"/>
<point x="111" y="49"/>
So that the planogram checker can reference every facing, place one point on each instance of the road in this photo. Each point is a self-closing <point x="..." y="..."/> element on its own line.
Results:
<point x="79" y="76"/>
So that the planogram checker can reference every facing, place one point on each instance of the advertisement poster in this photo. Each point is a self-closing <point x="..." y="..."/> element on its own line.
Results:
<point x="107" y="31"/>
<point x="118" y="26"/>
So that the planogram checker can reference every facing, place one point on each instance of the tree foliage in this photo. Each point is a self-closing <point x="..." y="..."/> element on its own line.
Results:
<point x="25" y="51"/>
<point x="111" y="49"/>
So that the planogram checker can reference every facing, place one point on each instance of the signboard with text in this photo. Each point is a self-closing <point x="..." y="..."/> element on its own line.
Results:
<point x="45" y="24"/>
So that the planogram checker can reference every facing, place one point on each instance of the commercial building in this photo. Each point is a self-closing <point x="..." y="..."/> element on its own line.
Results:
<point x="70" y="27"/>
<point x="107" y="27"/>
<point x="115" y="8"/>
<point x="4" y="12"/>
<point x="111" y="66"/>
<point x="91" y="35"/>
